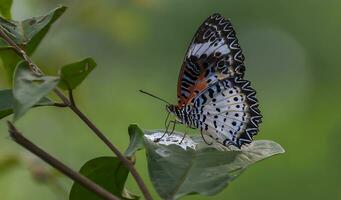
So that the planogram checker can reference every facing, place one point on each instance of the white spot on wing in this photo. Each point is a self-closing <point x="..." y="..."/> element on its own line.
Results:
<point x="195" y="47"/>
<point x="203" y="49"/>
<point x="224" y="49"/>
<point x="208" y="48"/>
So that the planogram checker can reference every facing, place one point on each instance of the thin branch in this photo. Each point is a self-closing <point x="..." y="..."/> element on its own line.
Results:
<point x="72" y="101"/>
<point x="71" y="105"/>
<point x="75" y="176"/>
<point x="62" y="105"/>
<point x="62" y="96"/>
<point x="20" y="51"/>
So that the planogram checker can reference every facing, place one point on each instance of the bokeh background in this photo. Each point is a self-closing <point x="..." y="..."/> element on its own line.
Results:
<point x="292" y="58"/>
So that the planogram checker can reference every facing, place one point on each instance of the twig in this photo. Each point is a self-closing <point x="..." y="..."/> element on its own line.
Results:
<point x="72" y="101"/>
<point x="82" y="180"/>
<point x="80" y="114"/>
<point x="20" y="51"/>
<point x="62" y="105"/>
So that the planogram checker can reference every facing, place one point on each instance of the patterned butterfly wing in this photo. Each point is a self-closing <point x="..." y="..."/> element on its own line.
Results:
<point x="228" y="112"/>
<point x="214" y="54"/>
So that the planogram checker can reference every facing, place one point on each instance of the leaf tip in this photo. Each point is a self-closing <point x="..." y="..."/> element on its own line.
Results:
<point x="132" y="127"/>
<point x="61" y="8"/>
<point x="91" y="61"/>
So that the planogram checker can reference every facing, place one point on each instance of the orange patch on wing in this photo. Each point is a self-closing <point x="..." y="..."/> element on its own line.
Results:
<point x="200" y="86"/>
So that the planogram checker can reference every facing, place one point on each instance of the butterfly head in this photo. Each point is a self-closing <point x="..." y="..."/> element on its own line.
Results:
<point x="171" y="108"/>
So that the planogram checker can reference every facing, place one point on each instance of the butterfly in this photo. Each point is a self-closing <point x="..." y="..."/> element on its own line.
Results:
<point x="212" y="94"/>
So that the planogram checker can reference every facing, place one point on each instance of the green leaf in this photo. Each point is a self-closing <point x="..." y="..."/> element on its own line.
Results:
<point x="136" y="140"/>
<point x="5" y="8"/>
<point x="9" y="61"/>
<point x="27" y="34"/>
<point x="193" y="167"/>
<point x="109" y="173"/>
<point x="29" y="88"/>
<point x="7" y="102"/>
<point x="73" y="74"/>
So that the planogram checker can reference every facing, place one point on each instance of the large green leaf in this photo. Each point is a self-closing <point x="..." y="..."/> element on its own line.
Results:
<point x="29" y="88"/>
<point x="73" y="74"/>
<point x="27" y="34"/>
<point x="193" y="167"/>
<point x="7" y="102"/>
<point x="108" y="172"/>
<point x="5" y="8"/>
<point x="136" y="140"/>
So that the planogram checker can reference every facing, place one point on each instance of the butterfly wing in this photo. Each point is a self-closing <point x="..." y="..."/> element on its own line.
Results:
<point x="214" y="54"/>
<point x="229" y="112"/>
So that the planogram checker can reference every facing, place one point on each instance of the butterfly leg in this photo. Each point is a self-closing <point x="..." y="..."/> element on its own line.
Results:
<point x="163" y="135"/>
<point x="167" y="123"/>
<point x="170" y="133"/>
<point x="166" y="132"/>
<point x="173" y="128"/>
<point x="183" y="136"/>
<point x="202" y="135"/>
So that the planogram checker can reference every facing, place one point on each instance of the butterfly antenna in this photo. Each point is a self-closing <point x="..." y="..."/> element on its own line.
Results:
<point x="147" y="93"/>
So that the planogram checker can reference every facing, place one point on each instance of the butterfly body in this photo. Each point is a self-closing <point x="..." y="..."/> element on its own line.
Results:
<point x="226" y="112"/>
<point x="213" y="96"/>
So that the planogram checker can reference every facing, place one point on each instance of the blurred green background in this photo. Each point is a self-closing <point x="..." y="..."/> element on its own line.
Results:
<point x="292" y="58"/>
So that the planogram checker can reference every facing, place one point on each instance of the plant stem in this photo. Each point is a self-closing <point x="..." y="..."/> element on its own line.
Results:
<point x="77" y="177"/>
<point x="72" y="101"/>
<point x="80" y="114"/>
<point x="20" y="52"/>
<point x="62" y="105"/>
